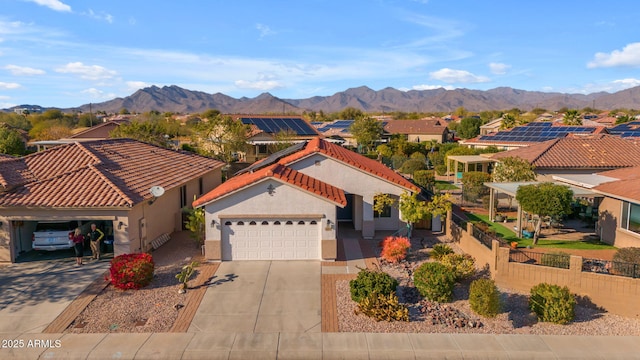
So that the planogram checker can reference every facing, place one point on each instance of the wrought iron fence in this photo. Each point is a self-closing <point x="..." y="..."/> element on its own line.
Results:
<point x="611" y="267"/>
<point x="482" y="236"/>
<point x="543" y="259"/>
<point x="459" y="221"/>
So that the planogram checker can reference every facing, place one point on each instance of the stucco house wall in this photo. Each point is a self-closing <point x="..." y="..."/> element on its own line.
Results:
<point x="284" y="201"/>
<point x="609" y="225"/>
<point x="352" y="181"/>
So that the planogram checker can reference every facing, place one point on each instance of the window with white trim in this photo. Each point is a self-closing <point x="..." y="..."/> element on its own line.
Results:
<point x="630" y="217"/>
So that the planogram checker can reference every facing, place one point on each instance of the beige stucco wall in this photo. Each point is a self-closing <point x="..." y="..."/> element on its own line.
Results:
<point x="285" y="201"/>
<point x="352" y="181"/>
<point x="425" y="137"/>
<point x="609" y="225"/>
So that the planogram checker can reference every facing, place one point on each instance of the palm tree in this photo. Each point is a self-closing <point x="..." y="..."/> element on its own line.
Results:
<point x="508" y="121"/>
<point x="572" y="117"/>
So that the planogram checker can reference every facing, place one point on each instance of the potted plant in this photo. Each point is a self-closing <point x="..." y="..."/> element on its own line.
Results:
<point x="514" y="244"/>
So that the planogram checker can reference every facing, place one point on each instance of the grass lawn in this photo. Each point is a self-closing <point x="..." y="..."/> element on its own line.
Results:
<point x="510" y="236"/>
<point x="445" y="185"/>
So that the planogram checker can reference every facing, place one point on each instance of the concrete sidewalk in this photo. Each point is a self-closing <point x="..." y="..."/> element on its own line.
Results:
<point x="318" y="346"/>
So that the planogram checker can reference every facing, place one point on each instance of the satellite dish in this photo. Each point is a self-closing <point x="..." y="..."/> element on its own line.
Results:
<point x="156" y="191"/>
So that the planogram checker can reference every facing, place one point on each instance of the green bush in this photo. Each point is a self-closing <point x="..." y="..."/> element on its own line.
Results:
<point x="435" y="281"/>
<point x="557" y="259"/>
<point x="462" y="265"/>
<point x="425" y="178"/>
<point x="484" y="297"/>
<point x="398" y="160"/>
<point x="440" y="250"/>
<point x="383" y="308"/>
<point x="441" y="170"/>
<point x="369" y="282"/>
<point x="412" y="165"/>
<point x="552" y="303"/>
<point x="418" y="156"/>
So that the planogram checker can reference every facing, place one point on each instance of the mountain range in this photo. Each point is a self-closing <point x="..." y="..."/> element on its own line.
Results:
<point x="178" y="100"/>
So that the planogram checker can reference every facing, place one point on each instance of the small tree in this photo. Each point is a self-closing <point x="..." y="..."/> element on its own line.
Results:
<point x="513" y="169"/>
<point x="185" y="274"/>
<point x="366" y="130"/>
<point x="546" y="199"/>
<point x="195" y="224"/>
<point x="412" y="210"/>
<point x="381" y="202"/>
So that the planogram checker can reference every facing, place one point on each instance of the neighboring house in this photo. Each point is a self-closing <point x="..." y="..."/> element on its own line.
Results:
<point x="423" y="130"/>
<point x="577" y="154"/>
<point x="97" y="132"/>
<point x="531" y="133"/>
<point x="491" y="127"/>
<point x="337" y="131"/>
<point x="267" y="132"/>
<point x="104" y="180"/>
<point x="630" y="129"/>
<point x="290" y="205"/>
<point x="618" y="213"/>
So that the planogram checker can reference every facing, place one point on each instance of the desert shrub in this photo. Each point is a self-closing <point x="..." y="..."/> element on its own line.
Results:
<point x="552" y="303"/>
<point x="369" y="282"/>
<point x="398" y="160"/>
<point x="628" y="255"/>
<point x="383" y="308"/>
<point x="484" y="297"/>
<point x="417" y="155"/>
<point x="557" y="259"/>
<point x="435" y="281"/>
<point x="440" y="250"/>
<point x="462" y="265"/>
<point x="441" y="170"/>
<point x="412" y="165"/>
<point x="425" y="178"/>
<point x="394" y="248"/>
<point x="131" y="271"/>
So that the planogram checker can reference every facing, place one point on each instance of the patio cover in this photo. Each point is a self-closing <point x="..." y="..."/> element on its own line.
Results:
<point x="511" y="188"/>
<point x="466" y="160"/>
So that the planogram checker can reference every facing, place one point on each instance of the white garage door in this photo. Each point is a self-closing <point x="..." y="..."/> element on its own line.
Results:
<point x="273" y="239"/>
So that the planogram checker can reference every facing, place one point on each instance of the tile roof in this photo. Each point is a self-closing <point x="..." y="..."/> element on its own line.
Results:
<point x="282" y="173"/>
<point x="100" y="131"/>
<point x="628" y="185"/>
<point x="100" y="173"/>
<point x="600" y="151"/>
<point x="424" y="126"/>
<point x="351" y="158"/>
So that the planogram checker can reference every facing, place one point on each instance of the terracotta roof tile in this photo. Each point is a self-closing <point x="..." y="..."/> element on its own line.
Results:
<point x="282" y="173"/>
<point x="103" y="173"/>
<point x="423" y="126"/>
<point x="627" y="187"/>
<point x="351" y="158"/>
<point x="600" y="151"/>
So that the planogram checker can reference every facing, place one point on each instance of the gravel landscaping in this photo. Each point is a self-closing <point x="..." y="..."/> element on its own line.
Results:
<point x="151" y="309"/>
<point x="457" y="316"/>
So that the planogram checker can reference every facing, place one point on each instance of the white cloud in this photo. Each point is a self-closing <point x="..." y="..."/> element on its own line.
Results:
<point x="136" y="85"/>
<point x="87" y="72"/>
<point x="98" y="94"/>
<point x="263" y="85"/>
<point x="628" y="56"/>
<point x="53" y="5"/>
<point x="23" y="70"/>
<point x="457" y="76"/>
<point x="499" y="68"/>
<point x="431" y="87"/>
<point x="264" y="30"/>
<point x="99" y="16"/>
<point x="8" y="86"/>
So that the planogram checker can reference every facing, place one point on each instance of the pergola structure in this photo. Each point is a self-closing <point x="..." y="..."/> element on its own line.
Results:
<point x="511" y="188"/>
<point x="473" y="162"/>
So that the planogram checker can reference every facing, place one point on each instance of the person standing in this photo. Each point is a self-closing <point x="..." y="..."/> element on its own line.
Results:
<point x="95" y="236"/>
<point x="78" y="246"/>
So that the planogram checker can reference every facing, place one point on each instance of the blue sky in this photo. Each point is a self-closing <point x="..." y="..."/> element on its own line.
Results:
<point x="67" y="53"/>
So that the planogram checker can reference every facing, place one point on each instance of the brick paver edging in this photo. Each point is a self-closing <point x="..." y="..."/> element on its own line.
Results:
<point x="194" y="296"/>
<point x="68" y="315"/>
<point x="329" y="314"/>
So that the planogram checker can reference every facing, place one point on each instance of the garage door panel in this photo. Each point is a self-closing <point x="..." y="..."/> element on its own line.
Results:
<point x="276" y="239"/>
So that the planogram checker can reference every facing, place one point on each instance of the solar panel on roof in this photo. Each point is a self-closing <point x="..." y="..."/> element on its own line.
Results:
<point x="273" y="158"/>
<point x="275" y="125"/>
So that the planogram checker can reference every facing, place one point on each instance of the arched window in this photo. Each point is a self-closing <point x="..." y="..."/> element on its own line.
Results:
<point x="265" y="222"/>
<point x="227" y="222"/>
<point x="252" y="223"/>
<point x="300" y="222"/>
<point x="312" y="222"/>
<point x="240" y="223"/>
<point x="276" y="222"/>
<point x="289" y="223"/>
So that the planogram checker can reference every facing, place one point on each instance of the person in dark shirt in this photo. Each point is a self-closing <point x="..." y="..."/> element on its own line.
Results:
<point x="78" y="246"/>
<point x="95" y="236"/>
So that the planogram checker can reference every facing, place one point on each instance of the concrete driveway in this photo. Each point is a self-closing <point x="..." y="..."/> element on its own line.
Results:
<point x="262" y="297"/>
<point x="35" y="293"/>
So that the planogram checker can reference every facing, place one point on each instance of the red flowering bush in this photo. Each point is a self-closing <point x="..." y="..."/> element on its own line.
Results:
<point x="394" y="248"/>
<point x="131" y="271"/>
